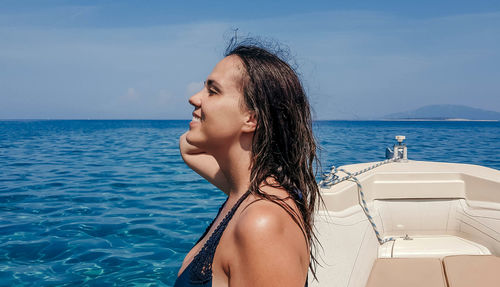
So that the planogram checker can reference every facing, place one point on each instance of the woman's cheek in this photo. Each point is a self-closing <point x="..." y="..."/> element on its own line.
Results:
<point x="226" y="128"/>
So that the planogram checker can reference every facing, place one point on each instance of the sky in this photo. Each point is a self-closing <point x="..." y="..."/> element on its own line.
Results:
<point x="64" y="59"/>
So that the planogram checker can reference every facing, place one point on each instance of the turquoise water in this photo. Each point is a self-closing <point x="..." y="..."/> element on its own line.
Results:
<point x="110" y="203"/>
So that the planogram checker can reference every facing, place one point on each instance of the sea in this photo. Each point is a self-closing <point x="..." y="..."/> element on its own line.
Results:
<point x="111" y="203"/>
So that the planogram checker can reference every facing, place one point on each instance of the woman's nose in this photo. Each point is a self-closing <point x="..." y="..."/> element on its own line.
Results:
<point x="195" y="99"/>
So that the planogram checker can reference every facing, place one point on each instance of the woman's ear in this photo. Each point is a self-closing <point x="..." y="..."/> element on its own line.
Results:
<point x="250" y="123"/>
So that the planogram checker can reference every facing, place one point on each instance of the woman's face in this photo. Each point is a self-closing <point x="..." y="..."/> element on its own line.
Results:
<point x="219" y="116"/>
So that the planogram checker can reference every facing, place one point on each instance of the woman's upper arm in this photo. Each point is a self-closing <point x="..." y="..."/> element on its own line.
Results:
<point x="267" y="254"/>
<point x="203" y="164"/>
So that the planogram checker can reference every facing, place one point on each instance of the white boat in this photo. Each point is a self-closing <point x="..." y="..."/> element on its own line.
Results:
<point x="422" y="224"/>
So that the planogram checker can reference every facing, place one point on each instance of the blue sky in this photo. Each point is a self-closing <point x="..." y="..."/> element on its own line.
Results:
<point x="142" y="59"/>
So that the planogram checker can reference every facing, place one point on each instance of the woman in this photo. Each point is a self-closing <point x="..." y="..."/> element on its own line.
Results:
<point x="251" y="137"/>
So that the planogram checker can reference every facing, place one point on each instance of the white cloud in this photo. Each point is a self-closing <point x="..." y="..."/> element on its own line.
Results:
<point x="132" y="95"/>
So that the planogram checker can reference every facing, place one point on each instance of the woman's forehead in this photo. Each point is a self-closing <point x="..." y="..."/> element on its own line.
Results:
<point x="228" y="72"/>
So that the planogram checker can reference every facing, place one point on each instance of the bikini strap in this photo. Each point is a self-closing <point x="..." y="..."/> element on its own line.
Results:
<point x="201" y="270"/>
<point x="212" y="223"/>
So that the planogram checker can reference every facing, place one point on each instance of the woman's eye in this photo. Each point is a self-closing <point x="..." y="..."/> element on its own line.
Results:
<point x="211" y="92"/>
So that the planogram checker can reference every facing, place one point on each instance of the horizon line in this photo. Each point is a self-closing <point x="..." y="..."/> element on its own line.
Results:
<point x="318" y="120"/>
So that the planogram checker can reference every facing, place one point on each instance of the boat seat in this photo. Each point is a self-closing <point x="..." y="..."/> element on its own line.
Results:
<point x="408" y="272"/>
<point x="431" y="246"/>
<point x="472" y="270"/>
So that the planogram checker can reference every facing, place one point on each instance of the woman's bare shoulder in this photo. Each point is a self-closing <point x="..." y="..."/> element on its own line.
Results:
<point x="263" y="223"/>
<point x="269" y="244"/>
<point x="263" y="215"/>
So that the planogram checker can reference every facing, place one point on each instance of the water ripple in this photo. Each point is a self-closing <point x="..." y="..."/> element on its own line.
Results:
<point x="111" y="203"/>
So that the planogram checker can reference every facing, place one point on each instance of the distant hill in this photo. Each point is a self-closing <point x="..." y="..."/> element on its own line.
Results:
<point x="445" y="112"/>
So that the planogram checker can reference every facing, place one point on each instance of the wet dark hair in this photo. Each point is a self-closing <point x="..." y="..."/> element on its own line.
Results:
<point x="283" y="147"/>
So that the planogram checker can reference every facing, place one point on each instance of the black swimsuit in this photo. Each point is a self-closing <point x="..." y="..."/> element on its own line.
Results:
<point x="199" y="271"/>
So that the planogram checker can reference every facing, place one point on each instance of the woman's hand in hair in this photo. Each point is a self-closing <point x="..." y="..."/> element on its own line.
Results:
<point x="203" y="163"/>
<point x="187" y="148"/>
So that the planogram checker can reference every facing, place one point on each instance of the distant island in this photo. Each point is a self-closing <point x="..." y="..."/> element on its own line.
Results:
<point x="445" y="113"/>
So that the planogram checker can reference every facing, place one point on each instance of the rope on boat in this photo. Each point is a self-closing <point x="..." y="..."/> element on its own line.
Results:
<point x="332" y="178"/>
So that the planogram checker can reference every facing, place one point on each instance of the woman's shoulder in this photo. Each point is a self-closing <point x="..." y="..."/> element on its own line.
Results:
<point x="269" y="243"/>
<point x="269" y="220"/>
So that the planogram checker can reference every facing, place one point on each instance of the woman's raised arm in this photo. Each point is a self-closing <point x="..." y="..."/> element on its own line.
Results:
<point x="203" y="163"/>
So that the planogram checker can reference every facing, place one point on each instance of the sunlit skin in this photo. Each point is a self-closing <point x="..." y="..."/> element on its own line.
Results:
<point x="262" y="245"/>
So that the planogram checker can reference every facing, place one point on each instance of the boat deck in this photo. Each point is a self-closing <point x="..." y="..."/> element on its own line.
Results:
<point x="451" y="271"/>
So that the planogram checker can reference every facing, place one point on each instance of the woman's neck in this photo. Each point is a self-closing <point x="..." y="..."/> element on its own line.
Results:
<point x="235" y="163"/>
